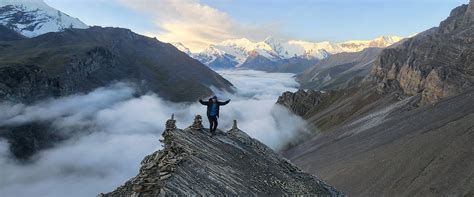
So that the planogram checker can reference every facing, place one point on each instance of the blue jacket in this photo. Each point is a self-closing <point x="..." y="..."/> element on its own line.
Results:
<point x="209" y="105"/>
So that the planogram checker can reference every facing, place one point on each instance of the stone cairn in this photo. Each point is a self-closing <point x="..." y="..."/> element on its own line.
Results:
<point x="171" y="123"/>
<point x="234" y="129"/>
<point x="197" y="124"/>
<point x="159" y="166"/>
<point x="234" y="126"/>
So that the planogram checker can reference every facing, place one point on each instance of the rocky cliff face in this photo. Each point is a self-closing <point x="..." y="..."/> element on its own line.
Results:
<point x="301" y="101"/>
<point x="331" y="109"/>
<point x="193" y="163"/>
<point x="438" y="63"/>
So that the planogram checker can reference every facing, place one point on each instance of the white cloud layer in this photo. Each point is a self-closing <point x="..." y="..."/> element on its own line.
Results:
<point x="121" y="129"/>
<point x="195" y="24"/>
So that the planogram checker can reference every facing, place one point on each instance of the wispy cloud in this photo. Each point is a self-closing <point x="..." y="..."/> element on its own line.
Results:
<point x="114" y="129"/>
<point x="196" y="24"/>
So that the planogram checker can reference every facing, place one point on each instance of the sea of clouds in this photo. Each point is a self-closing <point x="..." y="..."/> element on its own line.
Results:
<point x="114" y="129"/>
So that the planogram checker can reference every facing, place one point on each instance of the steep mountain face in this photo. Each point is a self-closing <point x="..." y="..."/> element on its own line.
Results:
<point x="279" y="55"/>
<point x="438" y="63"/>
<point x="365" y="133"/>
<point x="79" y="60"/>
<point x="9" y="35"/>
<point x="194" y="164"/>
<point x="34" y="17"/>
<point x="397" y="150"/>
<point x="339" y="71"/>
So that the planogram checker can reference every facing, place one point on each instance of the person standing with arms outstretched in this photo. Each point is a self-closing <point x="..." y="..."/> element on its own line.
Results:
<point x="213" y="112"/>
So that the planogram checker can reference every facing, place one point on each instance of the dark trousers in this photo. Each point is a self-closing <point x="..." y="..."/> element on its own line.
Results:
<point x="212" y="123"/>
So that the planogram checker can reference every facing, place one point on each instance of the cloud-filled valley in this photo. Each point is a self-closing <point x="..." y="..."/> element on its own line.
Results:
<point x="113" y="129"/>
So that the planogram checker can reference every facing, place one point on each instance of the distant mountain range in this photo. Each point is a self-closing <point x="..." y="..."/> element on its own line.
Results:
<point x="274" y="54"/>
<point x="339" y="71"/>
<point x="34" y="17"/>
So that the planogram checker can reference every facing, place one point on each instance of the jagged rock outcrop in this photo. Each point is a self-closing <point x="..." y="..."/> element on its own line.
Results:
<point x="194" y="163"/>
<point x="438" y="63"/>
<point x="301" y="101"/>
<point x="330" y="109"/>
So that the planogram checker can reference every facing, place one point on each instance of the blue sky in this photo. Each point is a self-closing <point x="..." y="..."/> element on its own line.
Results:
<point x="197" y="23"/>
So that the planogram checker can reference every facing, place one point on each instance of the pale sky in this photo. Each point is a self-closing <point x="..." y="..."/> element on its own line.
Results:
<point x="197" y="23"/>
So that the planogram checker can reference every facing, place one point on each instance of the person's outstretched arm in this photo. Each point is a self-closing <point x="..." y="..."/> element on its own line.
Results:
<point x="203" y="102"/>
<point x="224" y="103"/>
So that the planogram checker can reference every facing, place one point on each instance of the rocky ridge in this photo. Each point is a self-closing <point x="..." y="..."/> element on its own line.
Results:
<point x="80" y="60"/>
<point x="300" y="102"/>
<point x="193" y="163"/>
<point x="438" y="63"/>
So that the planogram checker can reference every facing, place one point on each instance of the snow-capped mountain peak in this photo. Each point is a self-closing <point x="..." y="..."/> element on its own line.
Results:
<point x="34" y="17"/>
<point x="180" y="46"/>
<point x="379" y="42"/>
<point x="236" y="52"/>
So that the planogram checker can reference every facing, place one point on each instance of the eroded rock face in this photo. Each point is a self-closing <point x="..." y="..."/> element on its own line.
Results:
<point x="194" y="164"/>
<point x="301" y="101"/>
<point x="438" y="63"/>
<point x="26" y="82"/>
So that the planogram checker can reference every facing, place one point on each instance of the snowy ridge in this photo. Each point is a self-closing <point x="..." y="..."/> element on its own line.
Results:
<point x="180" y="46"/>
<point x="236" y="51"/>
<point x="34" y="17"/>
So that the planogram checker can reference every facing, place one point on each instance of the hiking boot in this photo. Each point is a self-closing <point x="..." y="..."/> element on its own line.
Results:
<point x="213" y="133"/>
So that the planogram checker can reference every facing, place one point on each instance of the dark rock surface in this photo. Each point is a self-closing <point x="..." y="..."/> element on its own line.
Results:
<point x="438" y="63"/>
<point x="80" y="60"/>
<point x="25" y="140"/>
<point x="193" y="163"/>
<point x="7" y="34"/>
<point x="300" y="102"/>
